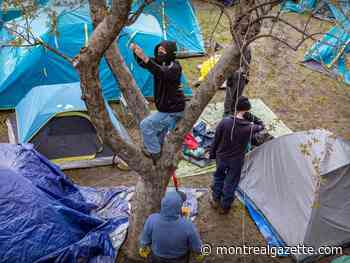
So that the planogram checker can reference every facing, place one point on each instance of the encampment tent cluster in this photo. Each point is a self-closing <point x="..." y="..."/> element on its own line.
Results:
<point x="44" y="88"/>
<point x="295" y="187"/>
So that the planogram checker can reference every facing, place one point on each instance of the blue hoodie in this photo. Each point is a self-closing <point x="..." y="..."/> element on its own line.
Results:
<point x="169" y="234"/>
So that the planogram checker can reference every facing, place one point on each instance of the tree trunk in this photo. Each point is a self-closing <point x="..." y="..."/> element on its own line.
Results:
<point x="149" y="192"/>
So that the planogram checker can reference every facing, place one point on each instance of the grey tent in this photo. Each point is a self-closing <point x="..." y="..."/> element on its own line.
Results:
<point x="54" y="119"/>
<point x="300" y="183"/>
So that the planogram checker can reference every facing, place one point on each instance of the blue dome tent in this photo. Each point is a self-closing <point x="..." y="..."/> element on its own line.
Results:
<point x="22" y="68"/>
<point x="58" y="126"/>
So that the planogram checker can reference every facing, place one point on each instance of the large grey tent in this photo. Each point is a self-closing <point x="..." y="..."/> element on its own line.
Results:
<point x="300" y="183"/>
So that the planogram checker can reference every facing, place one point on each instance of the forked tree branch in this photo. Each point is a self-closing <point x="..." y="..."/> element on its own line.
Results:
<point x="87" y="63"/>
<point x="137" y="104"/>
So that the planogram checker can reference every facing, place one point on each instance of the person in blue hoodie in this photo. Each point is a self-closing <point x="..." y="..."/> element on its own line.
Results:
<point x="168" y="236"/>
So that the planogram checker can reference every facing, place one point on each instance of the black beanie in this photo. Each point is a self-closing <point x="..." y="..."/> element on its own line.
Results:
<point x="243" y="104"/>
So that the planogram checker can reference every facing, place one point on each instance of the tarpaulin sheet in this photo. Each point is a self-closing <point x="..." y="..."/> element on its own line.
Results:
<point x="46" y="218"/>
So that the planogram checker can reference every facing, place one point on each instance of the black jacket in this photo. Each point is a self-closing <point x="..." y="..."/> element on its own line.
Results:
<point x="230" y="144"/>
<point x="167" y="83"/>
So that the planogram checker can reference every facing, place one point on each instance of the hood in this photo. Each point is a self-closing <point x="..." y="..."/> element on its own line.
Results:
<point x="170" y="47"/>
<point x="171" y="205"/>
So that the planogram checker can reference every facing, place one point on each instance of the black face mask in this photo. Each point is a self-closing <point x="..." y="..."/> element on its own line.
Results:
<point x="163" y="58"/>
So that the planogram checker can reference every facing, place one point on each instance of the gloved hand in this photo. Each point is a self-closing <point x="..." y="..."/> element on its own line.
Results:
<point x="144" y="252"/>
<point x="199" y="257"/>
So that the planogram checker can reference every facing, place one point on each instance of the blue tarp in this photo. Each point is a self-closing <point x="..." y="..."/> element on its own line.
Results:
<point x="269" y="233"/>
<point x="24" y="68"/>
<point x="39" y="106"/>
<point x="46" y="218"/>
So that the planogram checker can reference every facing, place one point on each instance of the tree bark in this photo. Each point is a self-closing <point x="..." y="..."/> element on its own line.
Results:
<point x="136" y="102"/>
<point x="153" y="178"/>
<point x="148" y="195"/>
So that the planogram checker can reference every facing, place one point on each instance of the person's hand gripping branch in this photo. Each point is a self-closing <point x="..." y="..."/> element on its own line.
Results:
<point x="139" y="53"/>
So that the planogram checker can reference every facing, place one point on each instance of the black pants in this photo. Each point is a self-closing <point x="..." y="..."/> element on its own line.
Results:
<point x="225" y="181"/>
<point x="155" y="259"/>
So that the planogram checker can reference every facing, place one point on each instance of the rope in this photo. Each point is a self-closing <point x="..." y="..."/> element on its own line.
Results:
<point x="216" y="25"/>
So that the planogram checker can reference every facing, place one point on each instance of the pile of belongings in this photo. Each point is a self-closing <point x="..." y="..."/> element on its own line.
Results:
<point x="197" y="145"/>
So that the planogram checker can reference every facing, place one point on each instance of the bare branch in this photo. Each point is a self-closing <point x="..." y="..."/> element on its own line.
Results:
<point x="138" y="12"/>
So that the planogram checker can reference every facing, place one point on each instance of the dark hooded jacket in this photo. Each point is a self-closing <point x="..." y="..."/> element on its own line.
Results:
<point x="170" y="235"/>
<point x="167" y="78"/>
<point x="232" y="143"/>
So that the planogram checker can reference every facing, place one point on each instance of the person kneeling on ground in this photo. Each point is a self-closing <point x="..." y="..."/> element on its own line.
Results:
<point x="230" y="144"/>
<point x="169" y="237"/>
<point x="169" y="98"/>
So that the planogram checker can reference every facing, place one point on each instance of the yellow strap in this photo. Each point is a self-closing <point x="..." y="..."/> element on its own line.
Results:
<point x="73" y="113"/>
<point x="74" y="158"/>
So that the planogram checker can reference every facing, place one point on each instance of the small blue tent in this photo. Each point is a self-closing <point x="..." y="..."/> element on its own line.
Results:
<point x="329" y="55"/>
<point x="46" y="218"/>
<point x="24" y="68"/>
<point x="58" y="126"/>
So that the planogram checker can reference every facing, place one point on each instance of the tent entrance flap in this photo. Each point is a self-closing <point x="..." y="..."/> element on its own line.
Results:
<point x="66" y="138"/>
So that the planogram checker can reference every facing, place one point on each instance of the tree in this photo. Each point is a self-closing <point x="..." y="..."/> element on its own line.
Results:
<point x="108" y="23"/>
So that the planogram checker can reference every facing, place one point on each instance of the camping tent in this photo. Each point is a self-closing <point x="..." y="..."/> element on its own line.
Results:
<point x="330" y="54"/>
<point x="300" y="183"/>
<point x="57" y="123"/>
<point x="46" y="218"/>
<point x="183" y="29"/>
<point x="24" y="68"/>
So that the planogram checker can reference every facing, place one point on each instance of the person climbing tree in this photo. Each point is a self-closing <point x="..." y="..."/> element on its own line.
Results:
<point x="169" y="98"/>
<point x="230" y="144"/>
<point x="169" y="237"/>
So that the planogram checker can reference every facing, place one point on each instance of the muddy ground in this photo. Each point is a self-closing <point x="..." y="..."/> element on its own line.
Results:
<point x="301" y="98"/>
